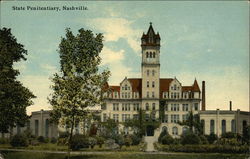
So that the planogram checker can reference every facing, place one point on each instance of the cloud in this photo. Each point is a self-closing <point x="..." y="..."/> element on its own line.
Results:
<point x="118" y="28"/>
<point x="230" y="84"/>
<point x="40" y="86"/>
<point x="109" y="56"/>
<point x="48" y="68"/>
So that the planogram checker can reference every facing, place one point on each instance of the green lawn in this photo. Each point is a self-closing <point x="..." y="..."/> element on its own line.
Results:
<point x="121" y="155"/>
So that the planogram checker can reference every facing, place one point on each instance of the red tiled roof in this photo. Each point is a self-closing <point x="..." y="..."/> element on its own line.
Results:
<point x="164" y="85"/>
<point x="186" y="88"/>
<point x="196" y="87"/>
<point x="115" y="88"/>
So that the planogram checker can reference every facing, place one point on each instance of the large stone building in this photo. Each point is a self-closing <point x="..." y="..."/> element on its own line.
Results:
<point x="154" y="95"/>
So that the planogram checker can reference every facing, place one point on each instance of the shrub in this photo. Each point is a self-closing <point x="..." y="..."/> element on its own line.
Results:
<point x="4" y="140"/>
<point x="128" y="141"/>
<point x="62" y="141"/>
<point x="110" y="144"/>
<point x="228" y="141"/>
<point x="163" y="133"/>
<point x="190" y="138"/>
<point x="92" y="142"/>
<point x="19" y="141"/>
<point x="136" y="139"/>
<point x="211" y="138"/>
<point x="63" y="134"/>
<point x="167" y="139"/>
<point x="79" y="141"/>
<point x="229" y="135"/>
<point x="119" y="139"/>
<point x="53" y="140"/>
<point x="41" y="139"/>
<point x="203" y="139"/>
<point x="100" y="140"/>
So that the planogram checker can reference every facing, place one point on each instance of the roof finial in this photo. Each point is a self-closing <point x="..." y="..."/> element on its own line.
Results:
<point x="150" y="23"/>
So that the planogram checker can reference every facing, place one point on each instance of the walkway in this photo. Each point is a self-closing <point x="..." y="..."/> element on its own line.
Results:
<point x="150" y="143"/>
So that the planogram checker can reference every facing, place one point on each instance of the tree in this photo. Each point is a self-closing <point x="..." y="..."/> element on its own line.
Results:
<point x="79" y="83"/>
<point x="14" y="97"/>
<point x="109" y="128"/>
<point x="194" y="123"/>
<point x="143" y="122"/>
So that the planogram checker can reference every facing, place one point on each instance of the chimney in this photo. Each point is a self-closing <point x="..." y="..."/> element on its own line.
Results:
<point x="230" y="105"/>
<point x="203" y="100"/>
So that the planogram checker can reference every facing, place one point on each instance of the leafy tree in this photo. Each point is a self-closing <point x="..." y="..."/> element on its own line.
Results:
<point x="143" y="122"/>
<point x="14" y="97"/>
<point x="79" y="83"/>
<point x="194" y="123"/>
<point x="109" y="128"/>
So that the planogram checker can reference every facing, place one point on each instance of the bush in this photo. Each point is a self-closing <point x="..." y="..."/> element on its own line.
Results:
<point x="167" y="139"/>
<point x="203" y="139"/>
<point x="190" y="138"/>
<point x="163" y="133"/>
<point x="119" y="139"/>
<point x="229" y="135"/>
<point x="19" y="141"/>
<point x="136" y="139"/>
<point x="92" y="142"/>
<point x="110" y="144"/>
<point x="100" y="140"/>
<point x="228" y="141"/>
<point x="79" y="141"/>
<point x="4" y="140"/>
<point x="63" y="134"/>
<point x="62" y="141"/>
<point x="41" y="139"/>
<point x="211" y="138"/>
<point x="128" y="141"/>
<point x="53" y="140"/>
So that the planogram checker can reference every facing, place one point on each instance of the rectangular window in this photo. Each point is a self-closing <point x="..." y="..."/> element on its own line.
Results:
<point x="184" y="117"/>
<point x="165" y="118"/>
<point x="184" y="107"/>
<point x="174" y="107"/>
<point x="147" y="94"/>
<point x="153" y="84"/>
<point x="196" y="106"/>
<point x="123" y="107"/>
<point x="153" y="94"/>
<point x="174" y="118"/>
<point x="148" y="84"/>
<point x="116" y="117"/>
<point x="136" y="116"/>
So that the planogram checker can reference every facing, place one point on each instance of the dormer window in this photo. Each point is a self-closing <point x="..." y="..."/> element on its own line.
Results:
<point x="126" y="87"/>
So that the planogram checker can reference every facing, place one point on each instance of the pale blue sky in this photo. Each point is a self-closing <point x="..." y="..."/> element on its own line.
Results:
<point x="203" y="40"/>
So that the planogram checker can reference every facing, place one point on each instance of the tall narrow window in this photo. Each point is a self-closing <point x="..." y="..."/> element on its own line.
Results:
<point x="153" y="106"/>
<point x="146" y="54"/>
<point x="223" y="126"/>
<point x="153" y="94"/>
<point x="153" y="72"/>
<point x="147" y="72"/>
<point x="203" y="126"/>
<point x="47" y="128"/>
<point x="212" y="126"/>
<point x="36" y="127"/>
<point x="147" y="94"/>
<point x="233" y="126"/>
<point x="150" y="54"/>
<point x="175" y="131"/>
<point x="153" y="54"/>
<point x="153" y="84"/>
<point x="147" y="106"/>
<point x="148" y="84"/>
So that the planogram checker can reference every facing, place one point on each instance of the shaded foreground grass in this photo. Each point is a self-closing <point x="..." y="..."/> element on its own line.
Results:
<point x="122" y="155"/>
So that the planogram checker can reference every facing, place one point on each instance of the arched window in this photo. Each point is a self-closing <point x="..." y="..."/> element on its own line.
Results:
<point x="147" y="72"/>
<point x="184" y="130"/>
<point x="164" y="128"/>
<point x="146" y="54"/>
<point x="147" y="83"/>
<point x="153" y="84"/>
<point x="126" y="87"/>
<point x="223" y="126"/>
<point x="211" y="126"/>
<point x="175" y="131"/>
<point x="233" y="126"/>
<point x="153" y="106"/>
<point x="150" y="54"/>
<point x="153" y="54"/>
<point x="147" y="106"/>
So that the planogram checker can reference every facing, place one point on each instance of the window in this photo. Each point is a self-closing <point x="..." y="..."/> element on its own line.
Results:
<point x="115" y="106"/>
<point x="175" y="131"/>
<point x="146" y="117"/>
<point x="36" y="127"/>
<point x="164" y="128"/>
<point x="153" y="72"/>
<point x="223" y="126"/>
<point x="147" y="72"/>
<point x="146" y="54"/>
<point x="153" y="117"/>
<point x="196" y="106"/>
<point x="153" y="54"/>
<point x="174" y="118"/>
<point x="116" y="117"/>
<point x="212" y="126"/>
<point x="153" y="94"/>
<point x="147" y="106"/>
<point x="165" y="119"/>
<point x="184" y="117"/>
<point x="166" y="107"/>
<point x="153" y="106"/>
<point x="122" y="95"/>
<point x="172" y="95"/>
<point x="150" y="54"/>
<point x="153" y="84"/>
<point x="203" y="126"/>
<point x="125" y="117"/>
<point x="147" y="94"/>
<point x="174" y="87"/>
<point x="147" y="83"/>
<point x="136" y="106"/>
<point x="233" y="126"/>
<point x="184" y="130"/>
<point x="165" y="95"/>
<point x="104" y="117"/>
<point x="184" y="107"/>
<point x="47" y="128"/>
<point x="126" y="87"/>
<point x="174" y="107"/>
<point x="136" y="116"/>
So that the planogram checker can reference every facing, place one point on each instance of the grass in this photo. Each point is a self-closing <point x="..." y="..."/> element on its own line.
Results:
<point x="121" y="155"/>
